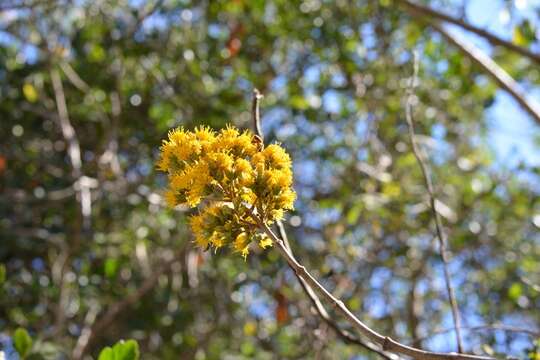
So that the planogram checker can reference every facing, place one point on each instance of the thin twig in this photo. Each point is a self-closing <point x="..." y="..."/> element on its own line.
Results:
<point x="74" y="78"/>
<point x="505" y="81"/>
<point x="256" y="113"/>
<point x="441" y="236"/>
<point x="323" y="313"/>
<point x="417" y="9"/>
<point x="489" y="327"/>
<point x="317" y="304"/>
<point x="142" y="16"/>
<point x="74" y="148"/>
<point x="309" y="283"/>
<point x="387" y="343"/>
<point x="81" y="186"/>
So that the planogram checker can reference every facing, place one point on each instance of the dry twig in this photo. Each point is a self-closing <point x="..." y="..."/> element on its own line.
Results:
<point x="420" y="10"/>
<point x="309" y="283"/>
<point x="441" y="236"/>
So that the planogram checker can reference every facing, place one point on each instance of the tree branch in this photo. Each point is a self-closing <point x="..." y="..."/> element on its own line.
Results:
<point x="321" y="310"/>
<point x="142" y="15"/>
<point x="256" y="114"/>
<point x="387" y="343"/>
<point x="74" y="148"/>
<point x="316" y="302"/>
<point x="441" y="236"/>
<point x="490" y="327"/>
<point x="309" y="283"/>
<point x="81" y="186"/>
<point x="505" y="81"/>
<point x="420" y="10"/>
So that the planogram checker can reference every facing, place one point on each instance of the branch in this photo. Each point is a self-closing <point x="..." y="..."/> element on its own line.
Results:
<point x="256" y="114"/>
<point x="493" y="327"/>
<point x="441" y="236"/>
<point x="387" y="343"/>
<point x="309" y="283"/>
<point x="74" y="78"/>
<point x="321" y="310"/>
<point x="419" y="10"/>
<point x="74" y="148"/>
<point x="68" y="132"/>
<point x="505" y="81"/>
<point x="142" y="16"/>
<point x="316" y="302"/>
<point x="81" y="186"/>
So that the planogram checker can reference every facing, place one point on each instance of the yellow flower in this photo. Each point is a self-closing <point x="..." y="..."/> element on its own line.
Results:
<point x="258" y="160"/>
<point x="170" y="198"/>
<point x="220" y="162"/>
<point x="242" y="182"/>
<point x="190" y="182"/>
<point x="286" y="199"/>
<point x="279" y="178"/>
<point x="205" y="134"/>
<point x="265" y="242"/>
<point x="164" y="163"/>
<point x="276" y="156"/>
<point x="244" y="171"/>
<point x="249" y="196"/>
<point x="180" y="181"/>
<point x="244" y="145"/>
<point x="276" y="214"/>
<point x="198" y="228"/>
<point x="241" y="244"/>
<point x="184" y="144"/>
<point x="217" y="239"/>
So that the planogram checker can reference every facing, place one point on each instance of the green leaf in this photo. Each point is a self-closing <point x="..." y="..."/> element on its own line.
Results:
<point x="128" y="350"/>
<point x="515" y="291"/>
<point x="106" y="354"/>
<point x="2" y="274"/>
<point x="299" y="102"/>
<point x="518" y="37"/>
<point x="111" y="267"/>
<point x="22" y="342"/>
<point x="122" y="350"/>
<point x="354" y="213"/>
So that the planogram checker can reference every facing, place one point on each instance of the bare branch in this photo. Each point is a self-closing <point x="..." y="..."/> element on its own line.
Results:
<point x="441" y="236"/>
<point x="74" y="78"/>
<point x="81" y="186"/>
<point x="74" y="148"/>
<point x="316" y="302"/>
<point x="68" y="132"/>
<point x="387" y="343"/>
<point x="321" y="310"/>
<point x="505" y="81"/>
<point x="142" y="15"/>
<point x="256" y="114"/>
<point x="489" y="327"/>
<point x="429" y="13"/>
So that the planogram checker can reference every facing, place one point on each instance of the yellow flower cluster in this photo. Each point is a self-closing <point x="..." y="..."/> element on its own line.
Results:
<point x="239" y="179"/>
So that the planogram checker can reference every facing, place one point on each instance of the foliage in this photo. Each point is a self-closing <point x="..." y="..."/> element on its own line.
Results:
<point x="122" y="350"/>
<point x="22" y="342"/>
<point x="96" y="244"/>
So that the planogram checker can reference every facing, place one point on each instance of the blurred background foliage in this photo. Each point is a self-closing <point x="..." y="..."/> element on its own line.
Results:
<point x="90" y="255"/>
